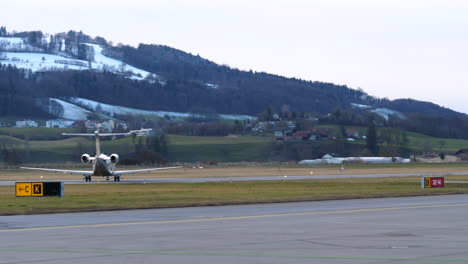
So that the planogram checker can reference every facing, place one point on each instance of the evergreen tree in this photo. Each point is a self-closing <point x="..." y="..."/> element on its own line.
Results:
<point x="3" y="31"/>
<point x="153" y="144"/>
<point x="342" y="133"/>
<point x="163" y="142"/>
<point x="371" y="139"/>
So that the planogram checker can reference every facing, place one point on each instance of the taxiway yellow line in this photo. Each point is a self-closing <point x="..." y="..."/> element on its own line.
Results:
<point x="233" y="217"/>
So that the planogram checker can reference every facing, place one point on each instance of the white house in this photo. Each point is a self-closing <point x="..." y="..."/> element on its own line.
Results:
<point x="27" y="123"/>
<point x="144" y="132"/>
<point x="108" y="126"/>
<point x="92" y="124"/>
<point x="59" y="123"/>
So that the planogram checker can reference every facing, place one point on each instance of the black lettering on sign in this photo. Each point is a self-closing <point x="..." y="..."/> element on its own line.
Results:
<point x="428" y="182"/>
<point x="37" y="189"/>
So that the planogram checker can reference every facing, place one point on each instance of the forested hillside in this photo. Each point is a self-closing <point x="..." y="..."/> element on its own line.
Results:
<point x="182" y="82"/>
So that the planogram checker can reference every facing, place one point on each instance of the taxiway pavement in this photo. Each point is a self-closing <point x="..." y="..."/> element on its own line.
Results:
<point x="129" y="179"/>
<point x="430" y="229"/>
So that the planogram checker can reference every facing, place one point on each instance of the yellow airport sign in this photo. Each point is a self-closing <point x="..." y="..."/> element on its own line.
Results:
<point x="427" y="181"/>
<point x="37" y="189"/>
<point x="29" y="189"/>
<point x="23" y="189"/>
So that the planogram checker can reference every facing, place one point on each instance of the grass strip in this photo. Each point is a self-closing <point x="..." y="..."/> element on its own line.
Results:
<point x="230" y="254"/>
<point x="80" y="198"/>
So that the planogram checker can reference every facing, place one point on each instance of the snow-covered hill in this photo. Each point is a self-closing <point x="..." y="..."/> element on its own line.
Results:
<point x="15" y="51"/>
<point x="76" y="109"/>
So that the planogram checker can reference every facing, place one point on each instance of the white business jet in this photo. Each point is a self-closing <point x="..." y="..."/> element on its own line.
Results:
<point x="103" y="165"/>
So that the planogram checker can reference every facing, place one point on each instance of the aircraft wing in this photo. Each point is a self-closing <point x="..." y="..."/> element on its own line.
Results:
<point x="62" y="171"/>
<point x="143" y="170"/>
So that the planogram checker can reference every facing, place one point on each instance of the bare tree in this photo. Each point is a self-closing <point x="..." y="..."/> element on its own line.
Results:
<point x="56" y="108"/>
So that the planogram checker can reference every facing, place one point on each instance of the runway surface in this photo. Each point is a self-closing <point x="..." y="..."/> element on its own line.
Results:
<point x="262" y="178"/>
<point x="430" y="229"/>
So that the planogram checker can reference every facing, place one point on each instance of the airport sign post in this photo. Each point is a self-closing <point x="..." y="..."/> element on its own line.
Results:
<point x="432" y="182"/>
<point x="39" y="189"/>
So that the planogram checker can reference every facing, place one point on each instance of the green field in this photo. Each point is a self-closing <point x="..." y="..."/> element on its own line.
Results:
<point x="180" y="148"/>
<point x="35" y="133"/>
<point x="243" y="148"/>
<point x="131" y="196"/>
<point x="186" y="148"/>
<point x="415" y="140"/>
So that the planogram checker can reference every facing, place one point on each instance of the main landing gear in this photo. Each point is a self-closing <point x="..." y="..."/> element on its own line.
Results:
<point x="88" y="178"/>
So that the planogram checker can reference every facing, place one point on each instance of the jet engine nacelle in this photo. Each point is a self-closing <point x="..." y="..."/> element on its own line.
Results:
<point x="114" y="158"/>
<point x="85" y="158"/>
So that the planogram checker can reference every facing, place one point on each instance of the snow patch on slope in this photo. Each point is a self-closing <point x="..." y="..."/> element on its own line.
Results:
<point x="212" y="85"/>
<point x="41" y="61"/>
<point x="16" y="45"/>
<point x="102" y="62"/>
<point x="71" y="111"/>
<point x="383" y="112"/>
<point x="361" y="106"/>
<point x="238" y="117"/>
<point x="11" y="41"/>
<point x="122" y="110"/>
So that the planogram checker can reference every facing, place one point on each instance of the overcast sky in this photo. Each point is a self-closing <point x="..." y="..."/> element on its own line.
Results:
<point x="389" y="48"/>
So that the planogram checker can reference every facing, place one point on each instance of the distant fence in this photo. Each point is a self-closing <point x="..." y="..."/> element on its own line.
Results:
<point x="69" y="62"/>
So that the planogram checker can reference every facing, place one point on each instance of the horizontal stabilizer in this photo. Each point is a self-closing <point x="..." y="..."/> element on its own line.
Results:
<point x="94" y="134"/>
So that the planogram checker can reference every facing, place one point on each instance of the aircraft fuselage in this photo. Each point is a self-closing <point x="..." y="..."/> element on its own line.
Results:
<point x="103" y="166"/>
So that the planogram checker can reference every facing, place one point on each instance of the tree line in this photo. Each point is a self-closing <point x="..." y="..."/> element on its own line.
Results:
<point x="183" y="86"/>
<point x="249" y="92"/>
